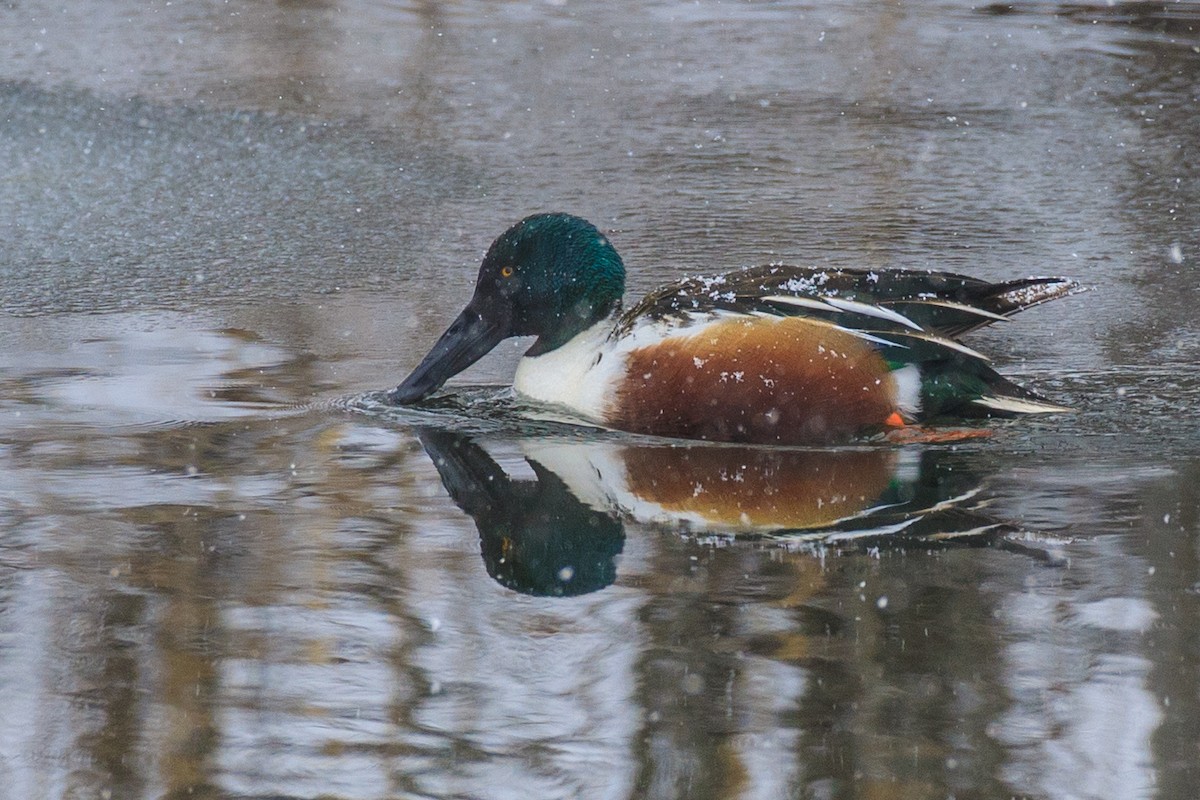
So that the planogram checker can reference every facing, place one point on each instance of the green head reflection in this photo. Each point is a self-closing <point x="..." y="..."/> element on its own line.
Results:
<point x="536" y="537"/>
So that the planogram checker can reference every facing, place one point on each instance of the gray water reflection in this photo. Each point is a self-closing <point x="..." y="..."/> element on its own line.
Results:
<point x="291" y="604"/>
<point x="227" y="571"/>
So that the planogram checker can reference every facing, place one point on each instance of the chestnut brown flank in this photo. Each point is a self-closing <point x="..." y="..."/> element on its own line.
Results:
<point x="787" y="380"/>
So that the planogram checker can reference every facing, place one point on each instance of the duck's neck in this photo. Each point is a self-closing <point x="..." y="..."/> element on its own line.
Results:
<point x="579" y="320"/>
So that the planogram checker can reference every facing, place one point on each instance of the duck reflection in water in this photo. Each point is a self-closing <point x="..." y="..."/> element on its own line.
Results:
<point x="560" y="533"/>
<point x="536" y="537"/>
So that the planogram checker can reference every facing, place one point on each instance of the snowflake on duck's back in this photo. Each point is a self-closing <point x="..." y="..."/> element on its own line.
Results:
<point x="742" y="291"/>
<point x="804" y="285"/>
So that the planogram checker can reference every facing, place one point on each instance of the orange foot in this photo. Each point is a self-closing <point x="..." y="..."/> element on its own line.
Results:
<point x="913" y="434"/>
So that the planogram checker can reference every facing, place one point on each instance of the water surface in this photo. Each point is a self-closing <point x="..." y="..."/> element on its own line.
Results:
<point x="227" y="570"/>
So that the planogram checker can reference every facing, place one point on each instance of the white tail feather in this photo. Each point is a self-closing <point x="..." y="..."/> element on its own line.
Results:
<point x="1019" y="405"/>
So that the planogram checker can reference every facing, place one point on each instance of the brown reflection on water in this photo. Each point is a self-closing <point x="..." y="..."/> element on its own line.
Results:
<point x="807" y="684"/>
<point x="759" y="489"/>
<point x="1173" y="554"/>
<point x="203" y="627"/>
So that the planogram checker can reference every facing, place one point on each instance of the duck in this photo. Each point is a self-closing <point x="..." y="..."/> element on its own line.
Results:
<point x="772" y="354"/>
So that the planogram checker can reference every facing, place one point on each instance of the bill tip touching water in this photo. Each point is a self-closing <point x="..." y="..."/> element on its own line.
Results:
<point x="774" y="354"/>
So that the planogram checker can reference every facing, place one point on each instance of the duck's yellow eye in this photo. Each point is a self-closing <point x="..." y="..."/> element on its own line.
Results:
<point x="506" y="272"/>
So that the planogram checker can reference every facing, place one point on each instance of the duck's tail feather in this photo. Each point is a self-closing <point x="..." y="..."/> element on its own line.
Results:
<point x="973" y="389"/>
<point x="975" y="306"/>
<point x="1005" y="405"/>
<point x="1010" y="297"/>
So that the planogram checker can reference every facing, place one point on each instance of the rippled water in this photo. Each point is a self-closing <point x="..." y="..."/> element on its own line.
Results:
<point x="228" y="570"/>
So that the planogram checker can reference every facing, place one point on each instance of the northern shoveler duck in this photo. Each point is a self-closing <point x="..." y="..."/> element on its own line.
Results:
<point x="773" y="354"/>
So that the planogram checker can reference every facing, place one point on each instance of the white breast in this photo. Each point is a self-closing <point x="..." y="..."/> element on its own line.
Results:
<point x="576" y="376"/>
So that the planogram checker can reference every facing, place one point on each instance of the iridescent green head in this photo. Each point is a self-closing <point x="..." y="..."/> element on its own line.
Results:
<point x="550" y="276"/>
